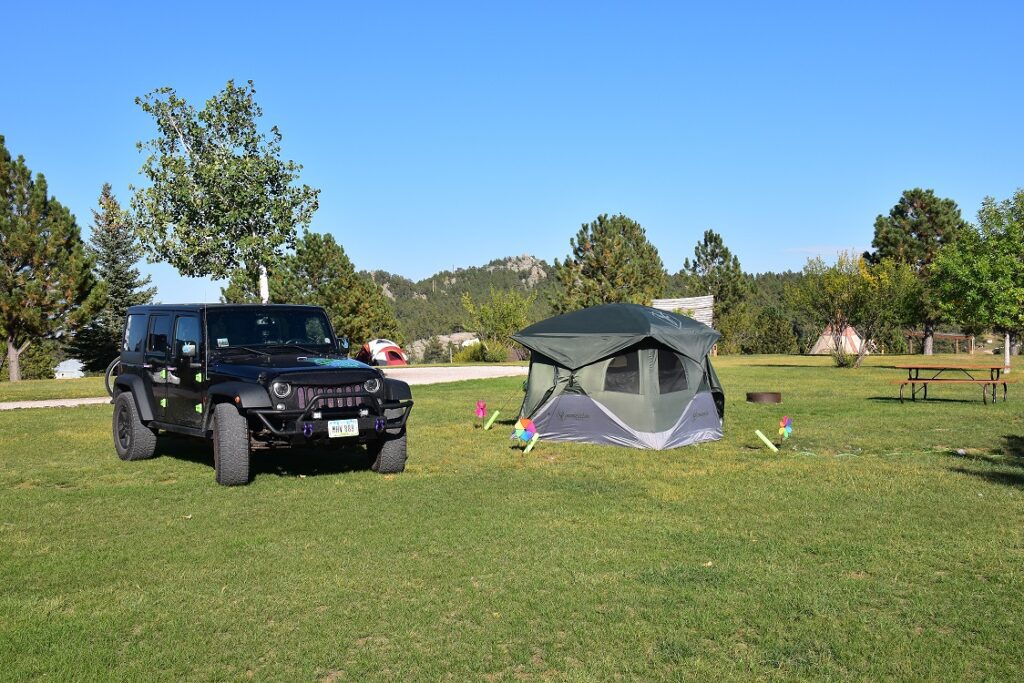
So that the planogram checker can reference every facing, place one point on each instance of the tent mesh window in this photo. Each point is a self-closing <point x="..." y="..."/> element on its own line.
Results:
<point x="671" y="372"/>
<point x="623" y="374"/>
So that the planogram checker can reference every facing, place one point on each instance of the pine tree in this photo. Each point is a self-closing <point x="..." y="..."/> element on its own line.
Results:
<point x="716" y="271"/>
<point x="434" y="352"/>
<point x="916" y="228"/>
<point x="611" y="262"/>
<point x="116" y="251"/>
<point x="44" y="269"/>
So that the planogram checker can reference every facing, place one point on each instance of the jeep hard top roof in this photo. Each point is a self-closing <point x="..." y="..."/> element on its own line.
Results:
<point x="146" y="308"/>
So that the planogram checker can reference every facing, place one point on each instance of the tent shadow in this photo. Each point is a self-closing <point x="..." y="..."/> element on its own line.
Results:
<point x="283" y="462"/>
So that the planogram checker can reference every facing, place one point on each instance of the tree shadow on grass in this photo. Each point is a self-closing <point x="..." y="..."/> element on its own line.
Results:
<point x="930" y="399"/>
<point x="1011" y="456"/>
<point x="284" y="462"/>
<point x="1014" y="479"/>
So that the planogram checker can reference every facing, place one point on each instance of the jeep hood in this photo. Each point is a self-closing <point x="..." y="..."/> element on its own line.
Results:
<point x="251" y="367"/>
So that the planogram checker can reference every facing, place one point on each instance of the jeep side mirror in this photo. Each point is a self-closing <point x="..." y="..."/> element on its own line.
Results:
<point x="343" y="344"/>
<point x="188" y="349"/>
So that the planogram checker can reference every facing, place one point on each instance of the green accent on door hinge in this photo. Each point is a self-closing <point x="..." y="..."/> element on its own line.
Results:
<point x="199" y="377"/>
<point x="163" y="403"/>
<point x="199" y="407"/>
<point x="163" y="374"/>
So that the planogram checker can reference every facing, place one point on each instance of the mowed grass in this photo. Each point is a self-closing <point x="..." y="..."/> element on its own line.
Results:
<point x="41" y="389"/>
<point x="866" y="549"/>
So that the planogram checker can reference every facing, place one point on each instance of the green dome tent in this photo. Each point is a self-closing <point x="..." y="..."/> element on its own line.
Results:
<point x="623" y="374"/>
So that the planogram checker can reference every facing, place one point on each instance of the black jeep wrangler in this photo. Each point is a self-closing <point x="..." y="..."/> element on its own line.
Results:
<point x="251" y="374"/>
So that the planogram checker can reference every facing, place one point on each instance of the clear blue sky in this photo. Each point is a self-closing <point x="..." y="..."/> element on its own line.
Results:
<point x="447" y="134"/>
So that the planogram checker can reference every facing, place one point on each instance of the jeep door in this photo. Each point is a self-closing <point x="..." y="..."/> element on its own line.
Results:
<point x="185" y="377"/>
<point x="155" y="361"/>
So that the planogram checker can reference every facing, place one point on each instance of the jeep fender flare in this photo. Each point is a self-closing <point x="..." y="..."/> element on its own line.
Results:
<point x="143" y="401"/>
<point x="396" y="389"/>
<point x="249" y="395"/>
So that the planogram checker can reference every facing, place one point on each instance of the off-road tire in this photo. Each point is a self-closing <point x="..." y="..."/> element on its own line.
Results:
<point x="132" y="439"/>
<point x="230" y="446"/>
<point x="389" y="454"/>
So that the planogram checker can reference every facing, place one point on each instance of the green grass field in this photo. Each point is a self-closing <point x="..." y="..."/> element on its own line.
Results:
<point x="866" y="549"/>
<point x="40" y="389"/>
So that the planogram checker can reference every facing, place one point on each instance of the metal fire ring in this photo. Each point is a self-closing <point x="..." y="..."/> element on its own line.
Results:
<point x="764" y="397"/>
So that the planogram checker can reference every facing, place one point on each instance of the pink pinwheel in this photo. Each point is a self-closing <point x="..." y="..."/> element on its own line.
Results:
<point x="481" y="409"/>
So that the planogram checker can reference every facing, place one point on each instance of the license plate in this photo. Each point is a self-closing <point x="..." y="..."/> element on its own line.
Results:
<point x="339" y="428"/>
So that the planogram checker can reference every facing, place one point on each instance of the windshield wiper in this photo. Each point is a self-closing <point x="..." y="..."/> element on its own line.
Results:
<point x="247" y="349"/>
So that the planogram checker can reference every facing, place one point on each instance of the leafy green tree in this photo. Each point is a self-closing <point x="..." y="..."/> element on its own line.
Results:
<point x="979" y="279"/>
<point x="716" y="271"/>
<point x="115" y="251"/>
<point x="828" y="294"/>
<point x="220" y="197"/>
<point x="871" y="298"/>
<point x="611" y="262"/>
<point x="917" y="227"/>
<point x="773" y="333"/>
<point x="738" y="328"/>
<point x="889" y="299"/>
<point x="495" y="320"/>
<point x="319" y="272"/>
<point x="44" y="269"/>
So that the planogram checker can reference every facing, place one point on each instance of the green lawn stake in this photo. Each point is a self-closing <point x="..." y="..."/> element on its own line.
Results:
<point x="767" y="443"/>
<point x="494" y="416"/>
<point x="529" y="446"/>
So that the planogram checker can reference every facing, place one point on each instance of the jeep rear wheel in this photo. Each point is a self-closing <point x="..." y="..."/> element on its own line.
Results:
<point x="389" y="454"/>
<point x="230" y="446"/>
<point x="132" y="439"/>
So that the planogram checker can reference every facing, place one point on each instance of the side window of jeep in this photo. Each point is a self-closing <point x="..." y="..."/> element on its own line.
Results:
<point x="159" y="331"/>
<point x="186" y="331"/>
<point x="134" y="333"/>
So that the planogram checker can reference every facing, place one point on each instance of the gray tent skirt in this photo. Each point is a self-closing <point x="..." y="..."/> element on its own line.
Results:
<point x="581" y="418"/>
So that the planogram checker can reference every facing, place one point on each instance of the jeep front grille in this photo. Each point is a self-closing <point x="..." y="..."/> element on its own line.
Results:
<point x="304" y="394"/>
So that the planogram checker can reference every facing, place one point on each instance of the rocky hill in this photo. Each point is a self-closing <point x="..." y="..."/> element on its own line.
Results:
<point x="433" y="306"/>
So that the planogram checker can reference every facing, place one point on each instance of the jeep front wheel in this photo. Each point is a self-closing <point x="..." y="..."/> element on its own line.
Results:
<point x="132" y="439"/>
<point x="230" y="446"/>
<point x="389" y="454"/>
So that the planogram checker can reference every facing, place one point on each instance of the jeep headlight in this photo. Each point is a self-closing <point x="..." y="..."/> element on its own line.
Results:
<point x="372" y="385"/>
<point x="281" y="389"/>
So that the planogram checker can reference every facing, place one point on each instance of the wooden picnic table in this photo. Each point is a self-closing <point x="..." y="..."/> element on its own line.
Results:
<point x="965" y="375"/>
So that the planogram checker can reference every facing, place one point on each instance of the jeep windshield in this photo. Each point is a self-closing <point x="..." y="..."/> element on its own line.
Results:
<point x="247" y="329"/>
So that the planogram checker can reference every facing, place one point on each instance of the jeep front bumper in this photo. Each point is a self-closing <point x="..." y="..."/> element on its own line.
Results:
<point x="375" y="416"/>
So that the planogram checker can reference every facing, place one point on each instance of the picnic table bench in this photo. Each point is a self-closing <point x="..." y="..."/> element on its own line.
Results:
<point x="965" y="374"/>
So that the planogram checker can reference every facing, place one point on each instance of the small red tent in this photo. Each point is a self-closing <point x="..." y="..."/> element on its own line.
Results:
<point x="382" y="352"/>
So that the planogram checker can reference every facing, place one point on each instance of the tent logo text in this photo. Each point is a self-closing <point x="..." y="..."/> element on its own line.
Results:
<point x="668" y="319"/>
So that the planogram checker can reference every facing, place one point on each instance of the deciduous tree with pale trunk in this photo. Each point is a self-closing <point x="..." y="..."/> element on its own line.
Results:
<point x="219" y="196"/>
<point x="980" y="278"/>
